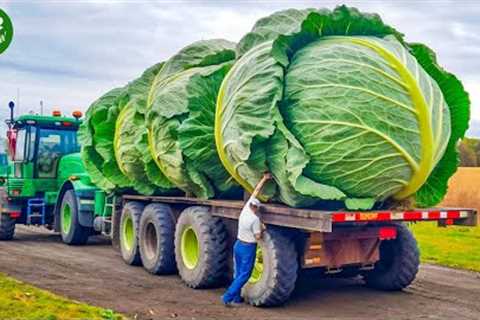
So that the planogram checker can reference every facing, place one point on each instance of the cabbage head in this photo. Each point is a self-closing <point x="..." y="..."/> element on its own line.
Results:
<point x="90" y="134"/>
<point x="339" y="107"/>
<point x="113" y="137"/>
<point x="180" y="119"/>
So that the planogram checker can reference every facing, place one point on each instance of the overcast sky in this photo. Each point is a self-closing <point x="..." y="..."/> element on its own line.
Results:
<point x="67" y="53"/>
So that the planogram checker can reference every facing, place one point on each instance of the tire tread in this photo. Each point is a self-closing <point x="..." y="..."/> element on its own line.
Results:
<point x="161" y="216"/>
<point x="135" y="208"/>
<point x="7" y="227"/>
<point x="214" y="235"/>
<point x="405" y="266"/>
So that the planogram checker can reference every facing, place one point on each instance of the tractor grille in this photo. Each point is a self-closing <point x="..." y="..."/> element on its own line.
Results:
<point x="15" y="184"/>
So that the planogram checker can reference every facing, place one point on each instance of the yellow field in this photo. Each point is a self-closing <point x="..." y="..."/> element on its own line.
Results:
<point x="454" y="246"/>
<point x="464" y="189"/>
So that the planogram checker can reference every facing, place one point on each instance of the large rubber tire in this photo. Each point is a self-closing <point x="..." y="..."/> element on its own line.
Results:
<point x="156" y="239"/>
<point x="398" y="264"/>
<point x="72" y="232"/>
<point x="7" y="227"/>
<point x="129" y="227"/>
<point x="275" y="271"/>
<point x="201" y="248"/>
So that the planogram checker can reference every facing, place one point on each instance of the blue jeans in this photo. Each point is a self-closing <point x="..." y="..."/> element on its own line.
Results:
<point x="244" y="259"/>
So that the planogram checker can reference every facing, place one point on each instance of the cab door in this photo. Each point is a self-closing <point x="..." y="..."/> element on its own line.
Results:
<point x="24" y="152"/>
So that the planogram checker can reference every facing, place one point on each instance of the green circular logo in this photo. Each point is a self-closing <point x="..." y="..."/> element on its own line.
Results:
<point x="6" y="31"/>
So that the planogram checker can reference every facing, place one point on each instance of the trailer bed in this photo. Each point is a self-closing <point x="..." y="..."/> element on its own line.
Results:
<point x="320" y="220"/>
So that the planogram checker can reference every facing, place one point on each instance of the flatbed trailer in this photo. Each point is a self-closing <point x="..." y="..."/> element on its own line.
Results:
<point x="195" y="237"/>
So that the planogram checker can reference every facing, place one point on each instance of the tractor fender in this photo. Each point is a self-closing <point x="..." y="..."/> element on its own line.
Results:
<point x="85" y="195"/>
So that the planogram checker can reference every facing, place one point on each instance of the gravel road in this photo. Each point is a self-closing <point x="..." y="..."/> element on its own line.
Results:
<point x="95" y="274"/>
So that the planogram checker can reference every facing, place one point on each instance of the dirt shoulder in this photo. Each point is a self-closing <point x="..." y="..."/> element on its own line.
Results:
<point x="96" y="274"/>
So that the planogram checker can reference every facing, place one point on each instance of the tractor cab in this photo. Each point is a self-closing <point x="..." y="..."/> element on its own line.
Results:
<point x="37" y="143"/>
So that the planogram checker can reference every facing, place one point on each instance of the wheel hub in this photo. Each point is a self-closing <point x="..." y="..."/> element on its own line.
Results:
<point x="66" y="218"/>
<point x="190" y="248"/>
<point x="128" y="233"/>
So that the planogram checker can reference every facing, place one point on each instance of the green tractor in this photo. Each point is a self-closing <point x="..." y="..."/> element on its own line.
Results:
<point x="45" y="183"/>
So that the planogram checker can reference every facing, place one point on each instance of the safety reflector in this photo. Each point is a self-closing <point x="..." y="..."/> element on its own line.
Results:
<point x="387" y="233"/>
<point x="15" y="214"/>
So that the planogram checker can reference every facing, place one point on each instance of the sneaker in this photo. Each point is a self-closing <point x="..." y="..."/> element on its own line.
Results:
<point x="233" y="304"/>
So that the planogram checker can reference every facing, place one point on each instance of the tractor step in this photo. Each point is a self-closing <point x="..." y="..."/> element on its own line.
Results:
<point x="35" y="210"/>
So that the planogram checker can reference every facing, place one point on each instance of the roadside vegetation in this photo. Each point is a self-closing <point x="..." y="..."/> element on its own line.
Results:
<point x="21" y="301"/>
<point x="454" y="246"/>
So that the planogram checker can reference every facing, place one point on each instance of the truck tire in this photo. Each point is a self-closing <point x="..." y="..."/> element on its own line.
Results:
<point x="156" y="239"/>
<point x="7" y="227"/>
<point x="275" y="271"/>
<point x="201" y="249"/>
<point x="398" y="264"/>
<point x="129" y="226"/>
<point x="72" y="232"/>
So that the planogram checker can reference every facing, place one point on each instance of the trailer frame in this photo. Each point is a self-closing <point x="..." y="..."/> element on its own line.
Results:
<point x="320" y="220"/>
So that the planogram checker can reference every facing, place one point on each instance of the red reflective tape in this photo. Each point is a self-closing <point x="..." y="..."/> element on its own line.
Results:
<point x="449" y="222"/>
<point x="400" y="216"/>
<point x="384" y="216"/>
<point x="338" y="217"/>
<point x="434" y="215"/>
<point x="412" y="215"/>
<point x="453" y="214"/>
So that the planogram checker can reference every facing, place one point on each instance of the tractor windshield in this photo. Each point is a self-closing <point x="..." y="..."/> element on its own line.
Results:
<point x="52" y="144"/>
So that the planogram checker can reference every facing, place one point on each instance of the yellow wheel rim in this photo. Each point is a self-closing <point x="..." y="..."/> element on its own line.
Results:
<point x="190" y="248"/>
<point x="258" y="267"/>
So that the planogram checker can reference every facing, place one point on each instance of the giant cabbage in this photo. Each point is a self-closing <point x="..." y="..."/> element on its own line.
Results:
<point x="339" y="107"/>
<point x="114" y="139"/>
<point x="90" y="133"/>
<point x="180" y="119"/>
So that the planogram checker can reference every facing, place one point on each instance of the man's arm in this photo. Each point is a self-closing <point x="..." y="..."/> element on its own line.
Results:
<point x="266" y="176"/>
<point x="258" y="228"/>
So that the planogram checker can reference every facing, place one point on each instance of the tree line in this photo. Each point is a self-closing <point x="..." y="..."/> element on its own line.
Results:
<point x="469" y="149"/>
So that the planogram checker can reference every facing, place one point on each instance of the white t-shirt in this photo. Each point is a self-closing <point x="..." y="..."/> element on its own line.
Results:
<point x="248" y="224"/>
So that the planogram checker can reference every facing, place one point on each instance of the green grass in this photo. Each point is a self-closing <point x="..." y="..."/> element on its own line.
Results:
<point x="21" y="301"/>
<point x="454" y="246"/>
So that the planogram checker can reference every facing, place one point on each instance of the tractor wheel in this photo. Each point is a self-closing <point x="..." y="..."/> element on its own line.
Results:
<point x="275" y="271"/>
<point x="398" y="264"/>
<point x="7" y="227"/>
<point x="129" y="226"/>
<point x="156" y="237"/>
<point x="201" y="248"/>
<point x="73" y="233"/>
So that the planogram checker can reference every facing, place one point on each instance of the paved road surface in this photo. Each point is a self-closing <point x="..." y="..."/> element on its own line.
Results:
<point x="96" y="274"/>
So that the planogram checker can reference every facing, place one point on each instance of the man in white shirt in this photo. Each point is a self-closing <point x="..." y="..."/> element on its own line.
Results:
<point x="250" y="230"/>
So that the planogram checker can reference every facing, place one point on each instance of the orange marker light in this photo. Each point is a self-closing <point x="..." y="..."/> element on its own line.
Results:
<point x="56" y="113"/>
<point x="77" y="114"/>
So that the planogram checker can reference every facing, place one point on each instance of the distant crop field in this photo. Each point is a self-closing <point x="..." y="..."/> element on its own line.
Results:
<point x="464" y="189"/>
